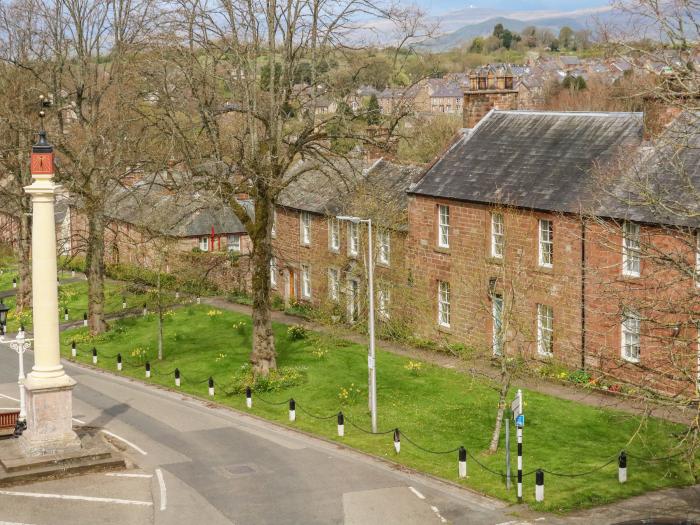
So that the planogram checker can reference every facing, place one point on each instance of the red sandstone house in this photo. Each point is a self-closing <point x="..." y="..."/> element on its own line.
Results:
<point x="517" y="247"/>
<point x="320" y="260"/>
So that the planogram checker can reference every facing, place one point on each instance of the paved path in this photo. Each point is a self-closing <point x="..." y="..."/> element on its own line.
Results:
<point x="481" y="368"/>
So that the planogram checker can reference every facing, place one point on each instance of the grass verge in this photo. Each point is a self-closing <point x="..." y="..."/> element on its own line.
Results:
<point x="437" y="408"/>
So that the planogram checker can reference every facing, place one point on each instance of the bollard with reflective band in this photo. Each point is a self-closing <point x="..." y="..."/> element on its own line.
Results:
<point x="119" y="362"/>
<point x="73" y="349"/>
<point x="462" y="462"/>
<point x="148" y="369"/>
<point x="248" y="397"/>
<point x="177" y="377"/>
<point x="94" y="355"/>
<point x="65" y="314"/>
<point x="539" y="485"/>
<point x="622" y="467"/>
<point x="211" y="386"/>
<point x="341" y="424"/>
<point x="85" y="323"/>
<point x="292" y="410"/>
<point x="397" y="440"/>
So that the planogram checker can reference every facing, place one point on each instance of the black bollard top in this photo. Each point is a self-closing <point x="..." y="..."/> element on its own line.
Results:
<point x="539" y="477"/>
<point x="397" y="435"/>
<point x="177" y="373"/>
<point x="622" y="460"/>
<point x="211" y="382"/>
<point x="462" y="454"/>
<point x="292" y="404"/>
<point x="148" y="366"/>
<point x="341" y="418"/>
<point x="94" y="351"/>
<point x="248" y="392"/>
<point x="119" y="358"/>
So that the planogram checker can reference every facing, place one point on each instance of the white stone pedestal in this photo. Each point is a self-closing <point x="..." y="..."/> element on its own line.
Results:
<point x="49" y="423"/>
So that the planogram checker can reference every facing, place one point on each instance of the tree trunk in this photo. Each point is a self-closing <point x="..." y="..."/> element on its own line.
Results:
<point x="24" y="292"/>
<point x="263" y="356"/>
<point x="502" y="399"/>
<point x="94" y="267"/>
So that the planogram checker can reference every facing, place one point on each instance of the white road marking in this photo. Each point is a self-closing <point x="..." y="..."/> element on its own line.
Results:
<point x="12" y="523"/>
<point x="79" y="498"/>
<point x="135" y="447"/>
<point x="416" y="493"/>
<point x="121" y="475"/>
<point x="10" y="398"/>
<point x="163" y="494"/>
<point x="437" y="513"/>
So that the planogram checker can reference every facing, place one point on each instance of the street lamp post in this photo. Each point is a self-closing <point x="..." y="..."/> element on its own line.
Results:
<point x="20" y="345"/>
<point x="371" y="359"/>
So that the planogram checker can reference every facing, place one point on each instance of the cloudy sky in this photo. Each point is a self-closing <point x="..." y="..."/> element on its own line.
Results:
<point x="441" y="6"/>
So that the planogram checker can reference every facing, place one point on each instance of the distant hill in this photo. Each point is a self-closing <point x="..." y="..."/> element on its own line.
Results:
<point x="468" y="32"/>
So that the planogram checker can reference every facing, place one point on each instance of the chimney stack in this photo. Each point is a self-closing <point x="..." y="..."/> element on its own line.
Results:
<point x="490" y="88"/>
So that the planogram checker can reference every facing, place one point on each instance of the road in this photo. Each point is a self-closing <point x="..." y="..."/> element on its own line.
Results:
<point x="193" y="462"/>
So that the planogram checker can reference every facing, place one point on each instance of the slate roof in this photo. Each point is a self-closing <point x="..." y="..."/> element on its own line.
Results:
<point x="330" y="191"/>
<point x="662" y="184"/>
<point x="450" y="89"/>
<point x="531" y="159"/>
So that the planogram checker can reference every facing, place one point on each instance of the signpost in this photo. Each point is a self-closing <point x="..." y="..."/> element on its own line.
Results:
<point x="517" y="409"/>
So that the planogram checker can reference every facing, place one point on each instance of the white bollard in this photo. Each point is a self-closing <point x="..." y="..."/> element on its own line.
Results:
<point x="539" y="485"/>
<point x="119" y="362"/>
<point x="177" y="377"/>
<point x="462" y="463"/>
<point x="248" y="397"/>
<point x="73" y="350"/>
<point x="341" y="424"/>
<point x="65" y="314"/>
<point x="397" y="440"/>
<point x="94" y="355"/>
<point x="622" y="468"/>
<point x="148" y="369"/>
<point x="292" y="410"/>
<point x="85" y="320"/>
<point x="211" y="386"/>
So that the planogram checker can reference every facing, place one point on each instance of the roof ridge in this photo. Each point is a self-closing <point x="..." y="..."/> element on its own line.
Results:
<point x="569" y="113"/>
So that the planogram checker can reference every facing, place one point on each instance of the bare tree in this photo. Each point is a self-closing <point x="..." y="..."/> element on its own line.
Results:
<point x="81" y="54"/>
<point x="229" y="96"/>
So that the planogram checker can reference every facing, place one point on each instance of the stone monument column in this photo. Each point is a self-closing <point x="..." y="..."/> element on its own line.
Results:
<point x="48" y="388"/>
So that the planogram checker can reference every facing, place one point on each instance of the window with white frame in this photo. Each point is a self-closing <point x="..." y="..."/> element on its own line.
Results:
<point x="333" y="234"/>
<point x="384" y="241"/>
<point x="443" y="226"/>
<point x="497" y="318"/>
<point x="545" y="329"/>
<point x="305" y="281"/>
<point x="333" y="284"/>
<point x="444" y="304"/>
<point x="497" y="235"/>
<point x="234" y="243"/>
<point x="383" y="299"/>
<point x="546" y="250"/>
<point x="305" y="228"/>
<point x="631" y="332"/>
<point x="273" y="232"/>
<point x="353" y="239"/>
<point x="273" y="271"/>
<point x="204" y="244"/>
<point x="631" y="259"/>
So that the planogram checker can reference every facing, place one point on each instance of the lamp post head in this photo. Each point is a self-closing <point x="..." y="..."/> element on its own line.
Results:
<point x="3" y="313"/>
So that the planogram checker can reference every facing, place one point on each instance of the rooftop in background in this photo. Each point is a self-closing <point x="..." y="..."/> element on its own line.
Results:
<point x="530" y="159"/>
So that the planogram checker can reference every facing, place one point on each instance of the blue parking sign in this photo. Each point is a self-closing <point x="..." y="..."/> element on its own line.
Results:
<point x="520" y="421"/>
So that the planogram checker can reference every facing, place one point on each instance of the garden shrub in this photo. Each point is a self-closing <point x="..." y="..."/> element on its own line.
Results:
<point x="296" y="332"/>
<point x="277" y="379"/>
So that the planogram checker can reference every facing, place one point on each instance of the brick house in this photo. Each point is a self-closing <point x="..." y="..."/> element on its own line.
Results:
<point x="501" y="242"/>
<point x="321" y="261"/>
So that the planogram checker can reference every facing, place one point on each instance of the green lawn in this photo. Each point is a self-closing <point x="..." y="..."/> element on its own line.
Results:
<point x="440" y="409"/>
<point x="74" y="297"/>
<point x="8" y="273"/>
